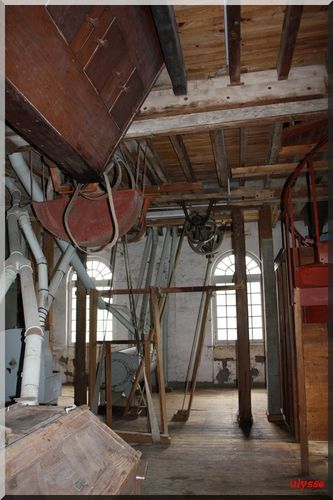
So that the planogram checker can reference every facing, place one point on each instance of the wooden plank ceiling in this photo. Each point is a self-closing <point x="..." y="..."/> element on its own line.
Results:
<point x="248" y="136"/>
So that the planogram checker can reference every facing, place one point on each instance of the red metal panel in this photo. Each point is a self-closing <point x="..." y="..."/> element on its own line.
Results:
<point x="314" y="296"/>
<point x="315" y="314"/>
<point x="315" y="275"/>
<point x="89" y="220"/>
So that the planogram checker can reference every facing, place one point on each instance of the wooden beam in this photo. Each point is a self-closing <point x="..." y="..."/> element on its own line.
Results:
<point x="174" y="289"/>
<point x="184" y="160"/>
<point x="93" y="298"/>
<point x="80" y="376"/>
<point x="220" y="156"/>
<point x="243" y="342"/>
<point x="228" y="118"/>
<point x="273" y="169"/>
<point x="176" y="187"/>
<point x="274" y="148"/>
<point x="234" y="39"/>
<point x="166" y="26"/>
<point x="291" y="23"/>
<point x="242" y="152"/>
<point x="142" y="437"/>
<point x="156" y="162"/>
<point x="301" y="390"/>
<point x="258" y="88"/>
<point x="108" y="384"/>
<point x="293" y="133"/>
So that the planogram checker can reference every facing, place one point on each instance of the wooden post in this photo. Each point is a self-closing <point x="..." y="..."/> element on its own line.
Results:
<point x="200" y="345"/>
<point x="92" y="342"/>
<point x="302" y="413"/>
<point x="270" y="311"/>
<point x="80" y="376"/>
<point x="243" y="343"/>
<point x="159" y="359"/>
<point x="108" y="384"/>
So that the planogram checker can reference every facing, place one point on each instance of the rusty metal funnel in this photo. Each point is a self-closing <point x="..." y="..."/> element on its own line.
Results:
<point x="90" y="221"/>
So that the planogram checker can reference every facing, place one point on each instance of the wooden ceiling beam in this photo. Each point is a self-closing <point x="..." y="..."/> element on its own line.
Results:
<point x="242" y="152"/>
<point x="273" y="169"/>
<point x="184" y="160"/>
<point x="234" y="39"/>
<point x="259" y="87"/>
<point x="166" y="26"/>
<point x="220" y="156"/>
<point x="274" y="148"/>
<point x="228" y="118"/>
<point x="155" y="162"/>
<point x="291" y="23"/>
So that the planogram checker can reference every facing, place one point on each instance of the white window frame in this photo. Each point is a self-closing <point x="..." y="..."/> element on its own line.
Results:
<point x="69" y="305"/>
<point x="229" y="279"/>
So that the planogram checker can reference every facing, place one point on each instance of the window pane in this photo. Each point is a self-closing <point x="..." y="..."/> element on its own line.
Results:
<point x="221" y="334"/>
<point x="232" y="334"/>
<point x="220" y="299"/>
<point x="256" y="311"/>
<point x="221" y="323"/>
<point x="256" y="298"/>
<point x="257" y="333"/>
<point x="221" y="311"/>
<point x="255" y="287"/>
<point x="232" y="323"/>
<point x="231" y="311"/>
<point x="257" y="322"/>
<point x="231" y="298"/>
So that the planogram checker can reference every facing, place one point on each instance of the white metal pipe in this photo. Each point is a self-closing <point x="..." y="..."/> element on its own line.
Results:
<point x="14" y="191"/>
<point x="13" y="232"/>
<point x="33" y="338"/>
<point x="43" y="284"/>
<point x="7" y="278"/>
<point x="22" y="171"/>
<point x="60" y="273"/>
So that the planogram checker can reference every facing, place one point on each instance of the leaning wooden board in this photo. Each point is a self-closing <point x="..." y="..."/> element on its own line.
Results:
<point x="63" y="453"/>
<point x="76" y="77"/>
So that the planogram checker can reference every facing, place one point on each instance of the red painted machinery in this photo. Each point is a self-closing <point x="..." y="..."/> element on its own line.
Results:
<point x="307" y="256"/>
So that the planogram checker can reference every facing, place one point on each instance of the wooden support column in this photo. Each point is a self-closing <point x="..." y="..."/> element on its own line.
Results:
<point x="92" y="341"/>
<point x="80" y="376"/>
<point x="270" y="313"/>
<point x="108" y="384"/>
<point x="243" y="342"/>
<point x="302" y="412"/>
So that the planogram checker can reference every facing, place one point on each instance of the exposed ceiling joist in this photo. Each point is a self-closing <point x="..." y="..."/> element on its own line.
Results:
<point x="242" y="152"/>
<point x="291" y="23"/>
<point x="228" y="118"/>
<point x="155" y="162"/>
<point x="273" y="169"/>
<point x="234" y="39"/>
<point x="220" y="155"/>
<point x="166" y="26"/>
<point x="131" y="157"/>
<point x="184" y="160"/>
<point x="260" y="87"/>
<point x="274" y="148"/>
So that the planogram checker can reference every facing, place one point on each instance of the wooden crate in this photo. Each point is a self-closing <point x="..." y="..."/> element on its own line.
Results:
<point x="51" y="452"/>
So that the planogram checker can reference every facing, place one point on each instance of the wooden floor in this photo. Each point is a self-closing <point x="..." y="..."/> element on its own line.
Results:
<point x="209" y="455"/>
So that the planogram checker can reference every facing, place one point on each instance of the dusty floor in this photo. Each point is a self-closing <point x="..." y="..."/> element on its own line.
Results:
<point x="209" y="454"/>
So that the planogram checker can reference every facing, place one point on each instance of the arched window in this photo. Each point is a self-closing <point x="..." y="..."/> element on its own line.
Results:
<point x="225" y="318"/>
<point x="101" y="275"/>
